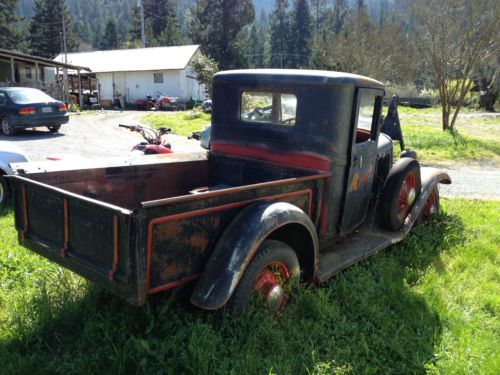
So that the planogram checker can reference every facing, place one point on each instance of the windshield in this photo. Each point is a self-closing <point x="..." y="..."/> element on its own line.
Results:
<point x="26" y="96"/>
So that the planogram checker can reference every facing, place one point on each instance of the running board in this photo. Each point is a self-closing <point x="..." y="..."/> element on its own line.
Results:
<point x="370" y="238"/>
<point x="353" y="249"/>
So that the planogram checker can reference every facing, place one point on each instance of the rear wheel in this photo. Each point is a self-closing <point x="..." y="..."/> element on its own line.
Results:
<point x="7" y="127"/>
<point x="270" y="276"/>
<point x="400" y="191"/>
<point x="54" y="128"/>
<point x="431" y="206"/>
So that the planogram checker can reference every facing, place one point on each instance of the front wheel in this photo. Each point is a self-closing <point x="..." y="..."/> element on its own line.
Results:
<point x="54" y="128"/>
<point x="7" y="127"/>
<point x="270" y="276"/>
<point x="400" y="192"/>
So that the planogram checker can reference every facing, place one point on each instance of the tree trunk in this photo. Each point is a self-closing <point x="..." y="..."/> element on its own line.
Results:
<point x="444" y="104"/>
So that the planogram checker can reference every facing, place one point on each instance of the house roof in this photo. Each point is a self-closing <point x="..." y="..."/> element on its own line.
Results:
<point x="139" y="59"/>
<point x="47" y="62"/>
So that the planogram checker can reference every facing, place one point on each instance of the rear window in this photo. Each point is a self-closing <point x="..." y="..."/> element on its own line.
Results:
<point x="268" y="107"/>
<point x="29" y="96"/>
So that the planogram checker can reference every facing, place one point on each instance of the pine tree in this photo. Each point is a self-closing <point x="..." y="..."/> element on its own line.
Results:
<point x="217" y="24"/>
<point x="301" y="34"/>
<point x="256" y="48"/>
<point x="161" y="23"/>
<point x="110" y="37"/>
<point x="11" y="34"/>
<point x="280" y="35"/>
<point x="318" y="8"/>
<point x="46" y="31"/>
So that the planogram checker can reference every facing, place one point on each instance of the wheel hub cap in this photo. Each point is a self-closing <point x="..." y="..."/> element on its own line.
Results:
<point x="411" y="196"/>
<point x="275" y="297"/>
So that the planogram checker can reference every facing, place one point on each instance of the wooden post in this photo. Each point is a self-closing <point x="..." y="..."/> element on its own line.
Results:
<point x="12" y="71"/>
<point x="37" y="76"/>
<point x="80" y="91"/>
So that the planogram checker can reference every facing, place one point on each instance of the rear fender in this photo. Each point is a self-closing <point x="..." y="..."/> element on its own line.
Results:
<point x="239" y="242"/>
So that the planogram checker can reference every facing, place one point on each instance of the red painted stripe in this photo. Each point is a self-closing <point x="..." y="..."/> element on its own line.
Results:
<point x="174" y="284"/>
<point x="266" y="153"/>
<point x="205" y="211"/>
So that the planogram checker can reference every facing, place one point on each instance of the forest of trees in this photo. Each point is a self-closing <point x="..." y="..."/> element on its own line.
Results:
<point x="398" y="42"/>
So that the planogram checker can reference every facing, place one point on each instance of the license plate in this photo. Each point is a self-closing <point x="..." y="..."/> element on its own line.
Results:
<point x="46" y="109"/>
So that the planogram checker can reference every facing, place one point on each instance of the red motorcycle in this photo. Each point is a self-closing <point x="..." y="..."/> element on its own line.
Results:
<point x="154" y="144"/>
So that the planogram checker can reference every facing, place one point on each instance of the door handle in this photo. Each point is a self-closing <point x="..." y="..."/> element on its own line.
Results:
<point x="359" y="159"/>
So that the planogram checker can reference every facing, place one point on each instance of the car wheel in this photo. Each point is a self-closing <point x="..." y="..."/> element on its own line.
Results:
<point x="431" y="206"/>
<point x="270" y="276"/>
<point x="54" y="128"/>
<point x="400" y="192"/>
<point x="7" y="127"/>
<point x="4" y="191"/>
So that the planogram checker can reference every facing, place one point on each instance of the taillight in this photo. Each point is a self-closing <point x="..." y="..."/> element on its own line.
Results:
<point x="27" y="111"/>
<point x="62" y="107"/>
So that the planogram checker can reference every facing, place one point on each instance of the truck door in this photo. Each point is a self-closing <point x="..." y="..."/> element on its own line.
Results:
<point x="363" y="158"/>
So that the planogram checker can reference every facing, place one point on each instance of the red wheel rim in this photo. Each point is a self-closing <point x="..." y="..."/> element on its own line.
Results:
<point x="430" y="205"/>
<point x="270" y="283"/>
<point x="407" y="195"/>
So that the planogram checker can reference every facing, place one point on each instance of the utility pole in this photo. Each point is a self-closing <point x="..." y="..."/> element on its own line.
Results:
<point x="65" y="51"/>
<point x="140" y="4"/>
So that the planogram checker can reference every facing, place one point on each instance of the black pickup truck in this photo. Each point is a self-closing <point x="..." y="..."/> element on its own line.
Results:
<point x="298" y="184"/>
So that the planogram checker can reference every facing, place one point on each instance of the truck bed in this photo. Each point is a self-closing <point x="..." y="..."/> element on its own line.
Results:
<point x="143" y="227"/>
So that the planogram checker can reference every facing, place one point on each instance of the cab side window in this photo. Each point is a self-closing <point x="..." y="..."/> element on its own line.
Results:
<point x="3" y="98"/>
<point x="367" y="114"/>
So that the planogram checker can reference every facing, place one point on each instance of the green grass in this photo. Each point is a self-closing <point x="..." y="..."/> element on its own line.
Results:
<point x="475" y="138"/>
<point x="430" y="304"/>
<point x="182" y="123"/>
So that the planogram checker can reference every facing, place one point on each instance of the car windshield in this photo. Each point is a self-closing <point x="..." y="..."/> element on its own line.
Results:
<point x="29" y="96"/>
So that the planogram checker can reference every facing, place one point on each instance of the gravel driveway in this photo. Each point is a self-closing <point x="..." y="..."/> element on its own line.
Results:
<point x="91" y="135"/>
<point x="97" y="135"/>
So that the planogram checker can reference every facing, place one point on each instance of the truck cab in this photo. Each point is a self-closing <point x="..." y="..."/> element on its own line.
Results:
<point x="326" y="121"/>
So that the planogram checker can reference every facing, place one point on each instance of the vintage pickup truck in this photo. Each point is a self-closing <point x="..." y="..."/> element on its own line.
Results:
<point x="298" y="184"/>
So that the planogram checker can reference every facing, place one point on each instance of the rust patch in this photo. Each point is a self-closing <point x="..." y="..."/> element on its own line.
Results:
<point x="354" y="185"/>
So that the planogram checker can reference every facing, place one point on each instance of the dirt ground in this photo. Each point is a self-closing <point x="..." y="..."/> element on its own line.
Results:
<point x="90" y="135"/>
<point x="97" y="135"/>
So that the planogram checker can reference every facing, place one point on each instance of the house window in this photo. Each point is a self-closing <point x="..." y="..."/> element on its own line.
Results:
<point x="27" y="72"/>
<point x="158" y="77"/>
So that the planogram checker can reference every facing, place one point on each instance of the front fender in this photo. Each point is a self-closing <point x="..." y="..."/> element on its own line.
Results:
<point x="237" y="245"/>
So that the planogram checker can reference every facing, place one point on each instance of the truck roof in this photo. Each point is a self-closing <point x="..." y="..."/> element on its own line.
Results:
<point x="298" y="76"/>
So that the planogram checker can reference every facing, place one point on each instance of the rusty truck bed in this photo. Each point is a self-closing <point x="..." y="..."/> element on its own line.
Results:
<point x="142" y="228"/>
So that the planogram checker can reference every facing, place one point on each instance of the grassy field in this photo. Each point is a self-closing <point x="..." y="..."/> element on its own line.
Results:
<point x="430" y="304"/>
<point x="182" y="123"/>
<point x="476" y="138"/>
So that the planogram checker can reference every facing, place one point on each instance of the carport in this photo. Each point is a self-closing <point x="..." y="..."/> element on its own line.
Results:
<point x="20" y="69"/>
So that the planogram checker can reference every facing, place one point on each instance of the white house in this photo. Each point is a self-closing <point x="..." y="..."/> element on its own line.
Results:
<point x="136" y="73"/>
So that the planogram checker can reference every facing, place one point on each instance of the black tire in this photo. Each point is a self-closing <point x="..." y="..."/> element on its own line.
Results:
<point x="4" y="191"/>
<point x="397" y="198"/>
<point x="271" y="253"/>
<point x="54" y="128"/>
<point x="7" y="127"/>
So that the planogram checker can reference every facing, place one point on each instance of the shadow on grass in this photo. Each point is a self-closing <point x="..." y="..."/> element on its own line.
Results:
<point x="6" y="209"/>
<point x="365" y="319"/>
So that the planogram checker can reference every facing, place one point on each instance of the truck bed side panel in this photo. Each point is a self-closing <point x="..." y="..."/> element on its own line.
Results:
<point x="181" y="239"/>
